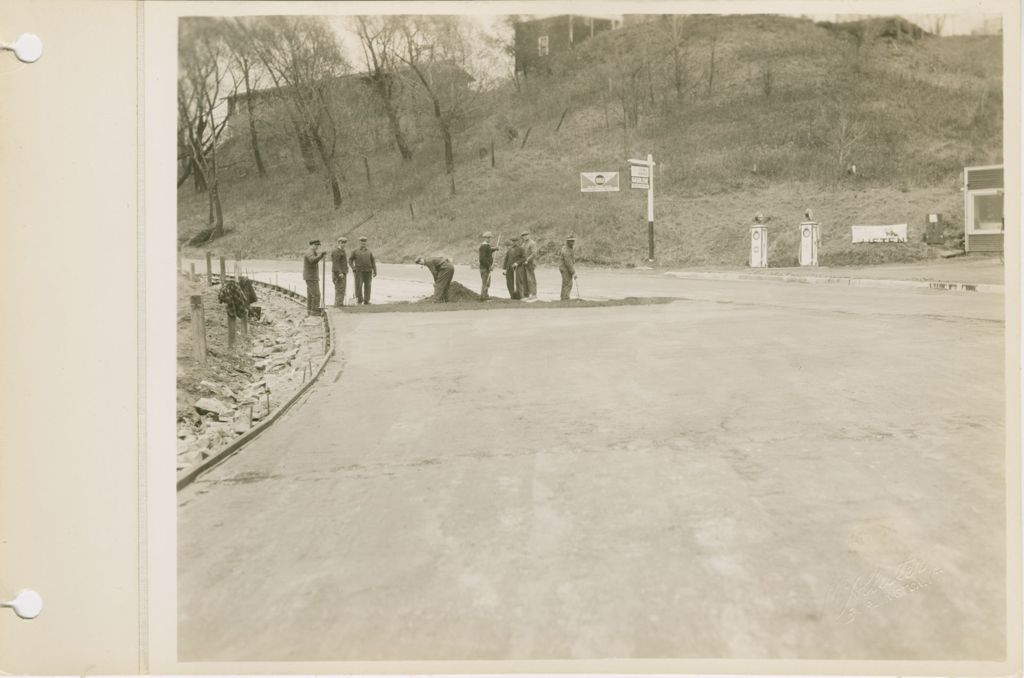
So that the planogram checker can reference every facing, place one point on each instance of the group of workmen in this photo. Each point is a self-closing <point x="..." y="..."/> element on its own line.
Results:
<point x="361" y="261"/>
<point x="519" y="267"/>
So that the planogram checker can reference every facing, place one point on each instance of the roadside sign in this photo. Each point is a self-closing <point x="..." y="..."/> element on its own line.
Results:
<point x="599" y="182"/>
<point x="639" y="176"/>
<point x="873" y="234"/>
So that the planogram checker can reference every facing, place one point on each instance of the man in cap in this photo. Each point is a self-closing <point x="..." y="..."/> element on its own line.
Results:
<point x="339" y="271"/>
<point x="364" y="269"/>
<point x="510" y="266"/>
<point x="486" y="264"/>
<point x="567" y="266"/>
<point x="442" y="269"/>
<point x="530" y="265"/>
<point x="311" y="274"/>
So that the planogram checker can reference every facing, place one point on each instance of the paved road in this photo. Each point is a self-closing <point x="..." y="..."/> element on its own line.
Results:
<point x="756" y="470"/>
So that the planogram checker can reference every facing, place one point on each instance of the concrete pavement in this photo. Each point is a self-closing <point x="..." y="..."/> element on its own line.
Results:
<point x="754" y="471"/>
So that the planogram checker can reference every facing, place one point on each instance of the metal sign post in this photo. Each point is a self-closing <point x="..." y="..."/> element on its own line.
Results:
<point x="638" y="183"/>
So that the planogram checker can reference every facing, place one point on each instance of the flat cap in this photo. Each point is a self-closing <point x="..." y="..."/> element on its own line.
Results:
<point x="314" y="242"/>
<point x="487" y="234"/>
<point x="342" y="239"/>
<point x="524" y="233"/>
<point x="571" y="236"/>
<point x="362" y="237"/>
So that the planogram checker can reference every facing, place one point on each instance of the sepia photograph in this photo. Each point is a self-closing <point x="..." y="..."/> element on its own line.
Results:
<point x="655" y="334"/>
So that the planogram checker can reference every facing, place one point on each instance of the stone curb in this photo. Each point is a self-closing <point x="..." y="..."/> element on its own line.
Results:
<point x="187" y="476"/>
<point x="839" y="280"/>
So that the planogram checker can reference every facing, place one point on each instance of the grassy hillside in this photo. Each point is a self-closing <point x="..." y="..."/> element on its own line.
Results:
<point x="792" y="105"/>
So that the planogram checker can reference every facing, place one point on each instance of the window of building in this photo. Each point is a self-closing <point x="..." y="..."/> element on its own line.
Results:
<point x="987" y="212"/>
<point x="542" y="45"/>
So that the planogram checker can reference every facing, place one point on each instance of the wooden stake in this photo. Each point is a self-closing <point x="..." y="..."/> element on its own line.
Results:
<point x="209" y="269"/>
<point x="198" y="329"/>
<point x="562" y="119"/>
<point x="192" y="272"/>
<point x="245" y="324"/>
<point x="527" y="136"/>
<point x="492" y="153"/>
<point x="231" y="331"/>
<point x="223" y="271"/>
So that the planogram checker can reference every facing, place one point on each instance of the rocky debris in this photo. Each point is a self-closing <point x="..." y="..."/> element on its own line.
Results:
<point x="238" y="389"/>
<point x="211" y="406"/>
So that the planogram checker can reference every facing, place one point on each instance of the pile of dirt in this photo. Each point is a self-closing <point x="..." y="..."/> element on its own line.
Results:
<point x="236" y="389"/>
<point x="457" y="292"/>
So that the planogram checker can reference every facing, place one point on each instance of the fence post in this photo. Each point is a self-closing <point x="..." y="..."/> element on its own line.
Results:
<point x="198" y="329"/>
<point x="245" y="323"/>
<point x="192" y="272"/>
<point x="231" y="331"/>
<point x="223" y="271"/>
<point x="209" y="270"/>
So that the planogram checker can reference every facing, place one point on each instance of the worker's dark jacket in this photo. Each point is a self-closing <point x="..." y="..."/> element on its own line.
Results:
<point x="567" y="260"/>
<point x="515" y="255"/>
<point x="436" y="264"/>
<point x="310" y="265"/>
<point x="339" y="262"/>
<point x="362" y="260"/>
<point x="487" y="256"/>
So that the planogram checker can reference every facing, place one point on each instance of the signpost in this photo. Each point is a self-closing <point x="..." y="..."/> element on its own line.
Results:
<point x="641" y="175"/>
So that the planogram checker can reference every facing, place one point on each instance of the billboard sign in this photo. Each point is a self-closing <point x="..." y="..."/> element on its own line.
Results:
<point x="893" y="233"/>
<point x="599" y="182"/>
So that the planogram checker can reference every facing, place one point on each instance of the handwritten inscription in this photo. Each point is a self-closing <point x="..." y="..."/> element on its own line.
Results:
<point x="848" y="600"/>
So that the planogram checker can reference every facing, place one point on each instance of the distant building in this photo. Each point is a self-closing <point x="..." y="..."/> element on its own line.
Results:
<point x="984" y="222"/>
<point x="537" y="40"/>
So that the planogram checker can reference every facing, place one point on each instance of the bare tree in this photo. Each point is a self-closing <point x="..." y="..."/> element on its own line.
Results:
<point x="245" y="62"/>
<point x="670" y="27"/>
<point x="437" y="51"/>
<point x="712" y="47"/>
<point x="936" y="23"/>
<point x="302" y="56"/>
<point x="203" y="85"/>
<point x="378" y="37"/>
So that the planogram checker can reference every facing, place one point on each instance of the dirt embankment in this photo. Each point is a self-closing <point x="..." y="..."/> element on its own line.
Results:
<point x="236" y="389"/>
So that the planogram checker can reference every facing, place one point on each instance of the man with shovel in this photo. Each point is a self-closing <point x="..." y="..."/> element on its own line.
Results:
<point x="442" y="269"/>
<point x="339" y="271"/>
<point x="514" y="258"/>
<point x="486" y="264"/>
<point x="311" y="274"/>
<point x="567" y="266"/>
